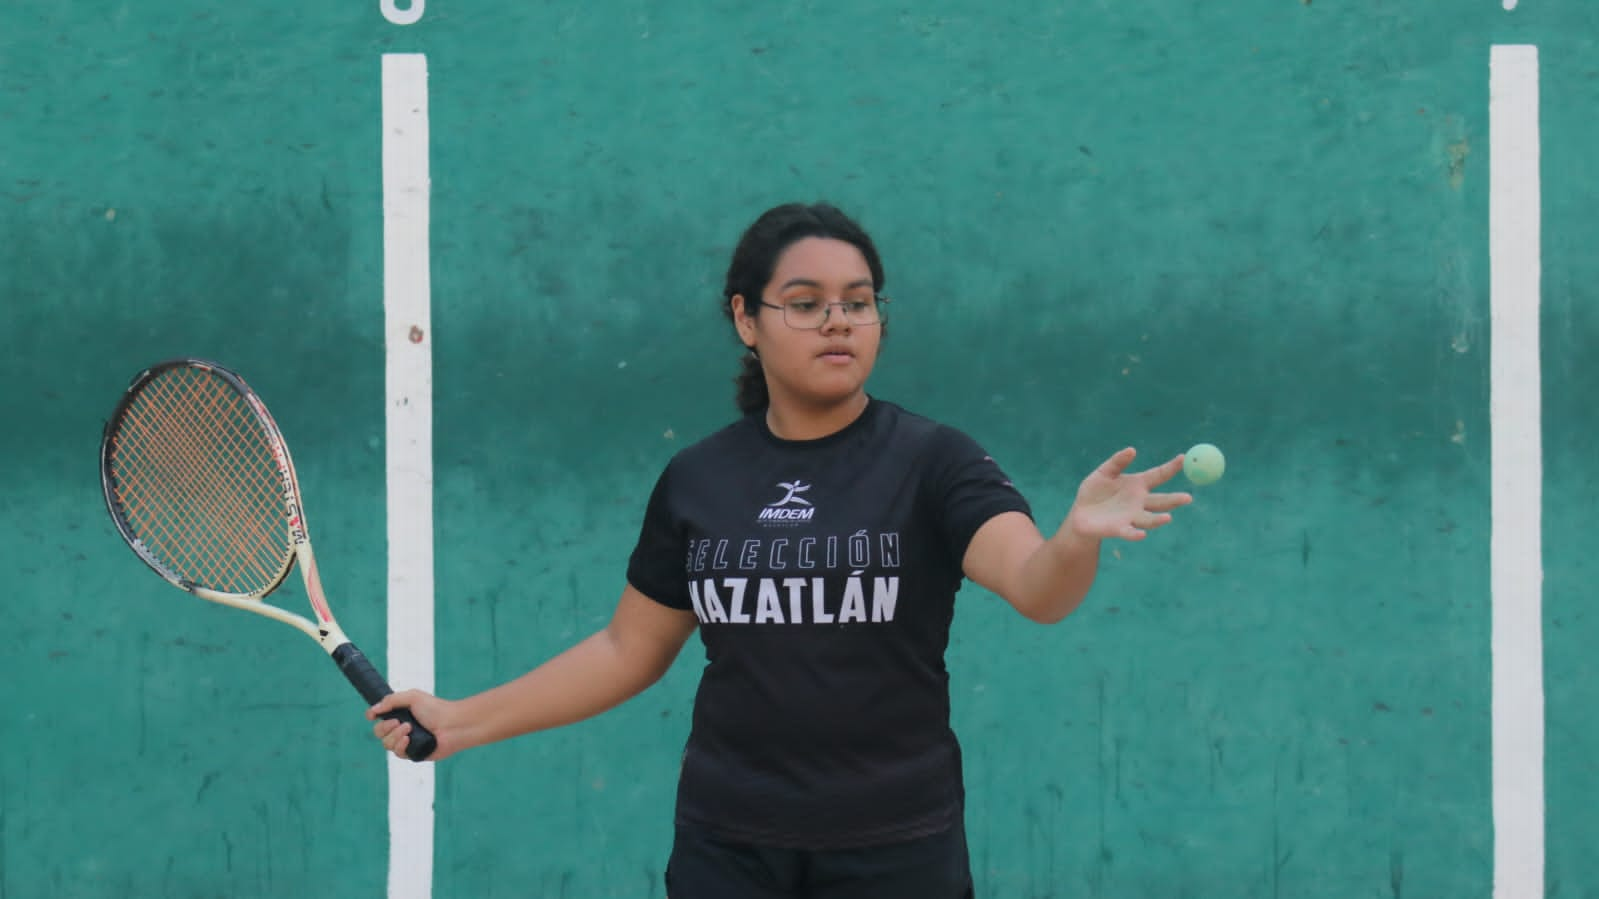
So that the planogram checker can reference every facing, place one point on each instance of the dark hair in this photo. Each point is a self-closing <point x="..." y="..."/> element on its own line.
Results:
<point x="755" y="259"/>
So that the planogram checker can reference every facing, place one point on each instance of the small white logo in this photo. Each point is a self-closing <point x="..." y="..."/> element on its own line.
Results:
<point x="782" y="509"/>
<point x="794" y="488"/>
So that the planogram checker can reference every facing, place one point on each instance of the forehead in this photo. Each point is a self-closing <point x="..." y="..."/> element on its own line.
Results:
<point x="823" y="260"/>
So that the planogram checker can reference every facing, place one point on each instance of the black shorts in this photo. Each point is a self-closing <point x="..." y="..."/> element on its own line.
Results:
<point x="704" y="867"/>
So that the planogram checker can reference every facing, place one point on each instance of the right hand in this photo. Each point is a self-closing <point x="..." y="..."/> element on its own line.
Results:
<point x="431" y="712"/>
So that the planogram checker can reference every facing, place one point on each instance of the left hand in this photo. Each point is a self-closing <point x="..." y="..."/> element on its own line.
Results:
<point x="1111" y="503"/>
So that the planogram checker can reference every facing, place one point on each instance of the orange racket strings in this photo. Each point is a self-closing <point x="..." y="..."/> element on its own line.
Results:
<point x="198" y="483"/>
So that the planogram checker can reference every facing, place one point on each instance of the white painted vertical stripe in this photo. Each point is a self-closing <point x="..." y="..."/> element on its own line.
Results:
<point x="1515" y="400"/>
<point x="408" y="341"/>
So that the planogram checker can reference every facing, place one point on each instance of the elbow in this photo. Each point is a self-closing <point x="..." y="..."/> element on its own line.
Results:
<point x="652" y="676"/>
<point x="1053" y="610"/>
<point x="1048" y="616"/>
<point x="651" y="667"/>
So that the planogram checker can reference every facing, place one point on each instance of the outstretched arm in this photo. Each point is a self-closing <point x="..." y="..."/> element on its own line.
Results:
<point x="1046" y="579"/>
<point x="604" y="670"/>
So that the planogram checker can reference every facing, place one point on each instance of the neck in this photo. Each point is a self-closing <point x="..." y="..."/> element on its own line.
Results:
<point x="793" y="421"/>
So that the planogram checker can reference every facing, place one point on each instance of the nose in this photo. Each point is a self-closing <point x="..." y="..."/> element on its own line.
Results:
<point x="829" y="323"/>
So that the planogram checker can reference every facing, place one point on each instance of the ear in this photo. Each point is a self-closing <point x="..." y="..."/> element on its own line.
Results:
<point x="742" y="320"/>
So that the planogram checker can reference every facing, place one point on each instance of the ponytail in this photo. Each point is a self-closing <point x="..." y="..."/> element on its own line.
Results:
<point x="751" y="385"/>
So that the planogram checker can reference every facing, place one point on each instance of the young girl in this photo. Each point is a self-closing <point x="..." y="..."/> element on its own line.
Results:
<point x="817" y="544"/>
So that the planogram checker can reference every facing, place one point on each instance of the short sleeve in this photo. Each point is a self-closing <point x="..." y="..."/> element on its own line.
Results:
<point x="656" y="567"/>
<point x="967" y="488"/>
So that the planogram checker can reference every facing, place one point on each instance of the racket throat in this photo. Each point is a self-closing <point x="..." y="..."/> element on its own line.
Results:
<point x="313" y="586"/>
<point x="333" y="639"/>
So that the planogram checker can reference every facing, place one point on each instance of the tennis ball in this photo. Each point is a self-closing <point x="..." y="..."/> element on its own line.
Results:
<point x="1204" y="464"/>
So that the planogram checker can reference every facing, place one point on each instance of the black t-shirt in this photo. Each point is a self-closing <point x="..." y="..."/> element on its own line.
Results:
<point x="823" y="573"/>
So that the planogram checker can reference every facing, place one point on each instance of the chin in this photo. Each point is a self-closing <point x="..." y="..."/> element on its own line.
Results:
<point x="836" y="395"/>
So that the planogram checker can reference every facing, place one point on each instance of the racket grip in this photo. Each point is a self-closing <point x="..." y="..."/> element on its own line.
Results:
<point x="373" y="687"/>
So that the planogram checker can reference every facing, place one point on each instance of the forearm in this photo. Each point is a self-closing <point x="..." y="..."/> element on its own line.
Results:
<point x="585" y="680"/>
<point x="1056" y="576"/>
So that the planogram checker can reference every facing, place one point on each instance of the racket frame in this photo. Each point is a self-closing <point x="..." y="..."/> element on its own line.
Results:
<point x="324" y="630"/>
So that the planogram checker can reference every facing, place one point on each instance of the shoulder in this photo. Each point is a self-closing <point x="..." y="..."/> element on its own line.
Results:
<point x="717" y="449"/>
<point x="924" y="433"/>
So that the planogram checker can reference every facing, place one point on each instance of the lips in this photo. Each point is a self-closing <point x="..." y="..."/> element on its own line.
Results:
<point x="834" y="352"/>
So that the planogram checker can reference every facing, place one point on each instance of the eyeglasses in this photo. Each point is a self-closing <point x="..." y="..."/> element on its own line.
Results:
<point x="811" y="313"/>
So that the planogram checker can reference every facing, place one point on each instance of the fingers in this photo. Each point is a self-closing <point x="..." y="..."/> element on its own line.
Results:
<point x="1164" y="472"/>
<point x="395" y="735"/>
<point x="1165" y="502"/>
<point x="1116" y="464"/>
<point x="1148" y="521"/>
<point x="1142" y="524"/>
<point x="401" y="700"/>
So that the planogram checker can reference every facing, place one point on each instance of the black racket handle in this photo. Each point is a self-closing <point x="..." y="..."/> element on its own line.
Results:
<point x="372" y="688"/>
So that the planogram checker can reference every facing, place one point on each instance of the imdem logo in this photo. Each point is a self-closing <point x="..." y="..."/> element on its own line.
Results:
<point x="791" y="507"/>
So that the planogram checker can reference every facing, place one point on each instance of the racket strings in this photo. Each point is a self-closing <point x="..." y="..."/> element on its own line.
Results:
<point x="215" y="518"/>
<point x="183" y="487"/>
<point x="199" y="484"/>
<point x="214" y="464"/>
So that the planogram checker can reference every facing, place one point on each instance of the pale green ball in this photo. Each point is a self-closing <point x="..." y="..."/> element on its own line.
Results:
<point x="1204" y="464"/>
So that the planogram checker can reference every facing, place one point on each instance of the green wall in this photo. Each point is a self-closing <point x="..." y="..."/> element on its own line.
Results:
<point x="1258" y="224"/>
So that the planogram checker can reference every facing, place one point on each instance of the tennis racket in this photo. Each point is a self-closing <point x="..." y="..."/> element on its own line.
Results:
<point x="199" y="482"/>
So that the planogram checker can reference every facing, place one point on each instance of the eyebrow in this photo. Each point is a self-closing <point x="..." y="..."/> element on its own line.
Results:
<point x="807" y="282"/>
